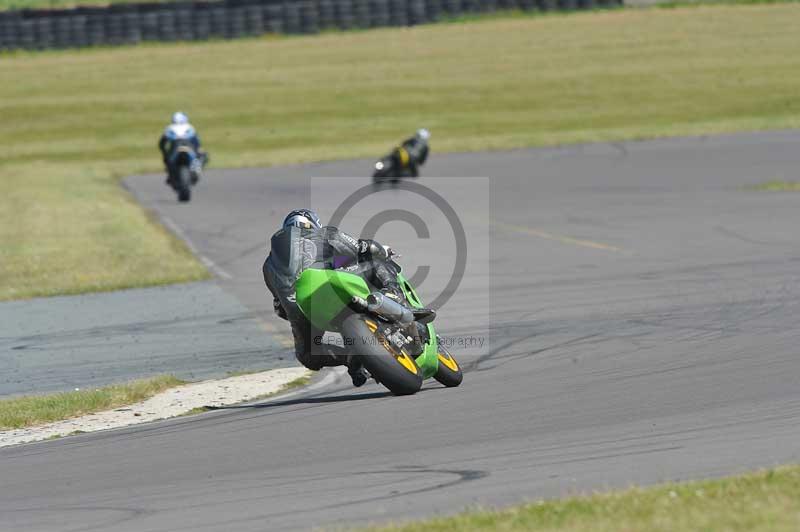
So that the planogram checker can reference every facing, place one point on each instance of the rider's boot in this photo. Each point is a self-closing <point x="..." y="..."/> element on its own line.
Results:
<point x="170" y="181"/>
<point x="356" y="372"/>
<point x="352" y="363"/>
<point x="359" y="377"/>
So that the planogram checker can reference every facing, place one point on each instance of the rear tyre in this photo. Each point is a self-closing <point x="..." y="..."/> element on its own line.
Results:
<point x="395" y="370"/>
<point x="449" y="372"/>
<point x="380" y="177"/>
<point x="184" y="183"/>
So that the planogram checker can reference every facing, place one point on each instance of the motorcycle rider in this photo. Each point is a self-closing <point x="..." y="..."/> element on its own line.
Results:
<point x="413" y="152"/>
<point x="301" y="243"/>
<point x="178" y="130"/>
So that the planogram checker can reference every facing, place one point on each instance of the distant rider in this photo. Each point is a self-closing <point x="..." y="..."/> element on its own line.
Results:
<point x="413" y="152"/>
<point x="304" y="243"/>
<point x="180" y="130"/>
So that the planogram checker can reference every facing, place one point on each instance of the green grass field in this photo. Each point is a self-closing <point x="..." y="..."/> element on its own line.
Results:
<point x="767" y="501"/>
<point x="777" y="186"/>
<point x="74" y="122"/>
<point x="32" y="410"/>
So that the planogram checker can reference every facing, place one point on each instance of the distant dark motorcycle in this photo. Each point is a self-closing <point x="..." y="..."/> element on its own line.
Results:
<point x="185" y="168"/>
<point x="394" y="167"/>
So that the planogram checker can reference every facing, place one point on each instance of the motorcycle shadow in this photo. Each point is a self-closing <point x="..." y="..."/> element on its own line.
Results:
<point x="309" y="401"/>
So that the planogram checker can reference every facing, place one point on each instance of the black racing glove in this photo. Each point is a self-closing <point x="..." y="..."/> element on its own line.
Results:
<point x="369" y="250"/>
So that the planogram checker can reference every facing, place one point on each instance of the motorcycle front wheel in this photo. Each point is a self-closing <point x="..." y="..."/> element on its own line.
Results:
<point x="449" y="372"/>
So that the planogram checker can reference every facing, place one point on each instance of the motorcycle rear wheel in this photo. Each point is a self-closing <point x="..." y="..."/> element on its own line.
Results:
<point x="380" y="177"/>
<point x="184" y="184"/>
<point x="396" y="370"/>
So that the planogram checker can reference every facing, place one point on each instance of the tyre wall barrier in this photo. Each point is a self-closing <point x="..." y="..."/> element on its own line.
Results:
<point x="125" y="24"/>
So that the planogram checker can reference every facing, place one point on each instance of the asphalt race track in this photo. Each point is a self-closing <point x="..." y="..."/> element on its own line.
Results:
<point x="194" y="331"/>
<point x="642" y="326"/>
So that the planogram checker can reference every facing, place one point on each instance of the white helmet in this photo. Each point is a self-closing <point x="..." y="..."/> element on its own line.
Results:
<point x="423" y="134"/>
<point x="179" y="118"/>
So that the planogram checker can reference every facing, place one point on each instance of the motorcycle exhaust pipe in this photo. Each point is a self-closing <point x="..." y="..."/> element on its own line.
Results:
<point x="386" y="307"/>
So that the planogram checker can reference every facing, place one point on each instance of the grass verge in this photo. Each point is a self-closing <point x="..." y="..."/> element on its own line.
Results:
<point x="28" y="411"/>
<point x="76" y="121"/>
<point x="297" y="383"/>
<point x="761" y="501"/>
<point x="777" y="186"/>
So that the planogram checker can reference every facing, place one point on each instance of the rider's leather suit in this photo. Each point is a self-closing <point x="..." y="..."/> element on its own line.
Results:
<point x="294" y="249"/>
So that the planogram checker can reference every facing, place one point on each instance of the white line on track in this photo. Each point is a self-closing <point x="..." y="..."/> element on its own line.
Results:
<point x="208" y="263"/>
<point x="557" y="238"/>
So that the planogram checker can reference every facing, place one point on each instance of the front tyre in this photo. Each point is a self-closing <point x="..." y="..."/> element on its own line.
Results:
<point x="449" y="372"/>
<point x="394" y="369"/>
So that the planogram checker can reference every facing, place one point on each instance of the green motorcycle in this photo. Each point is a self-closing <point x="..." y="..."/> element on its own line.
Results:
<point x="395" y="338"/>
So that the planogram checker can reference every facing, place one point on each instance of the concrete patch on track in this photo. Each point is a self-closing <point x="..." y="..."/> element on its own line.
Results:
<point x="170" y="403"/>
<point x="193" y="331"/>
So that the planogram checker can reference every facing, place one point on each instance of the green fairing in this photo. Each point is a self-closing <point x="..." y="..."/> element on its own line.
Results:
<point x="428" y="361"/>
<point x="322" y="295"/>
<point x="409" y="292"/>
